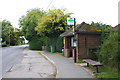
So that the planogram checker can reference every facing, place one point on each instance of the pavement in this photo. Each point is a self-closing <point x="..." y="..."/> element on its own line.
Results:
<point x="66" y="67"/>
<point x="33" y="65"/>
<point x="42" y="64"/>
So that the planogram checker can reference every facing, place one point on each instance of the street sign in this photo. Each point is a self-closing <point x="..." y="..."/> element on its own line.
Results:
<point x="70" y="21"/>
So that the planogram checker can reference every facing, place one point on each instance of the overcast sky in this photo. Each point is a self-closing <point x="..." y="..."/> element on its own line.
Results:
<point x="105" y="11"/>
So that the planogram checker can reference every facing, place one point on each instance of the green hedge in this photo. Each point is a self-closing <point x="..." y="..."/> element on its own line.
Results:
<point x="59" y="44"/>
<point x="56" y="43"/>
<point x="36" y="43"/>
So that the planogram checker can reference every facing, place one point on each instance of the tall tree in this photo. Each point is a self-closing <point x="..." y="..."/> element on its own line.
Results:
<point x="53" y="23"/>
<point x="9" y="34"/>
<point x="6" y="30"/>
<point x="28" y="24"/>
<point x="6" y="23"/>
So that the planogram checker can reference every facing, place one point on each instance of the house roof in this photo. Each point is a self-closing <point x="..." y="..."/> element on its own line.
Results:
<point x="82" y="28"/>
<point x="116" y="27"/>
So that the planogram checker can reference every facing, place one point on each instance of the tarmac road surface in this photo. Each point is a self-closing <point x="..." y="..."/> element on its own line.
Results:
<point x="11" y="56"/>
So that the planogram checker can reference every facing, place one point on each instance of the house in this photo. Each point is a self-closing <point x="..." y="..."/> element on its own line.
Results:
<point x="116" y="27"/>
<point x="86" y="38"/>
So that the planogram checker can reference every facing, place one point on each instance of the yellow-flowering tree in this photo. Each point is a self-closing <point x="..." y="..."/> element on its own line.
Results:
<point x="53" y="22"/>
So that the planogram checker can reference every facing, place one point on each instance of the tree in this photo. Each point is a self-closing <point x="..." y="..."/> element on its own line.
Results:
<point x="28" y="24"/>
<point x="9" y="35"/>
<point x="6" y="30"/>
<point x="53" y="23"/>
<point x="6" y="23"/>
<point x="105" y="29"/>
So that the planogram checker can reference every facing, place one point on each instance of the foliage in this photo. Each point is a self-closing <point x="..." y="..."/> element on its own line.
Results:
<point x="29" y="22"/>
<point x="109" y="54"/>
<point x="80" y="61"/>
<point x="93" y="54"/>
<point x="51" y="43"/>
<point x="56" y="43"/>
<point x="107" y="73"/>
<point x="105" y="29"/>
<point x="37" y="43"/>
<point x="10" y="35"/>
<point x="53" y="23"/>
<point x="59" y="53"/>
<point x="6" y="23"/>
<point x="59" y="44"/>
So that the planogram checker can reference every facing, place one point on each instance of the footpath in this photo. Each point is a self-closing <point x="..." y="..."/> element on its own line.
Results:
<point x="33" y="65"/>
<point x="41" y="64"/>
<point x="66" y="68"/>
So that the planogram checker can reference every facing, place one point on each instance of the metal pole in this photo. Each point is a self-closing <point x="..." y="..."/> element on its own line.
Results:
<point x="97" y="69"/>
<point x="74" y="55"/>
<point x="9" y="36"/>
<point x="74" y="47"/>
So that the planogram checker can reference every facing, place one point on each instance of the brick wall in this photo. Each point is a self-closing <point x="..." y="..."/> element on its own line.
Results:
<point x="67" y="47"/>
<point x="86" y="41"/>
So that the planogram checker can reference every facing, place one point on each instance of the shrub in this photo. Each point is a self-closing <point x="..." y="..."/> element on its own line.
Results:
<point x="35" y="44"/>
<point x="109" y="50"/>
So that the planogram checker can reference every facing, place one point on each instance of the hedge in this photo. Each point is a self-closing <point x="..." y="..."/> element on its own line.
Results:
<point x="55" y="42"/>
<point x="36" y="43"/>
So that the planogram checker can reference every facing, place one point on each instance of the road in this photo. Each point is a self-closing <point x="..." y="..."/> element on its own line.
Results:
<point x="10" y="56"/>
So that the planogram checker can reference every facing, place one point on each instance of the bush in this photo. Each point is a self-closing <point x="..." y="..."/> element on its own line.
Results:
<point x="109" y="54"/>
<point x="35" y="44"/>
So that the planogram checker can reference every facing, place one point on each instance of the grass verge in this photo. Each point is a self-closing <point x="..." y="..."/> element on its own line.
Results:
<point x="80" y="61"/>
<point x="106" y="73"/>
<point x="59" y="53"/>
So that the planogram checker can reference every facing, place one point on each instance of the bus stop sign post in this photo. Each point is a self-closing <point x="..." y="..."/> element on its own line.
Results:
<point x="75" y="45"/>
<point x="71" y="21"/>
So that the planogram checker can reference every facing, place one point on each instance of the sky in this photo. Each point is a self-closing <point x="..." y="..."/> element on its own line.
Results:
<point x="104" y="11"/>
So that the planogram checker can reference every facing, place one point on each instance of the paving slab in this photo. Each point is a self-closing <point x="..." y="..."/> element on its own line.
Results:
<point x="33" y="65"/>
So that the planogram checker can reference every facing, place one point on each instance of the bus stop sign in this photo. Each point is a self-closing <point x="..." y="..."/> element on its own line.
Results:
<point x="70" y="21"/>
